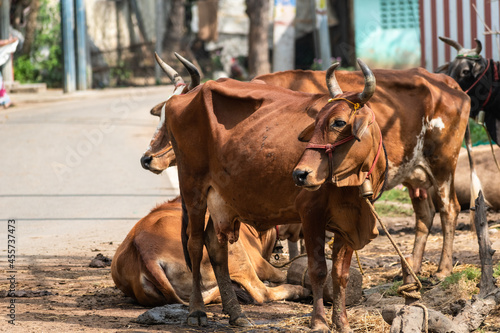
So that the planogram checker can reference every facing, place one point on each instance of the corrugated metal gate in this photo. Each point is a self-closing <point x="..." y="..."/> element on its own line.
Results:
<point x="458" y="20"/>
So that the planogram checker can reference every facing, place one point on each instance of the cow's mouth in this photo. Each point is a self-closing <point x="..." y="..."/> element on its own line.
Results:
<point x="311" y="187"/>
<point x="155" y="171"/>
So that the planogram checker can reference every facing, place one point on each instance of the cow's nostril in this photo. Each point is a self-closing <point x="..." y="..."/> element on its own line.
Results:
<point x="146" y="161"/>
<point x="300" y="176"/>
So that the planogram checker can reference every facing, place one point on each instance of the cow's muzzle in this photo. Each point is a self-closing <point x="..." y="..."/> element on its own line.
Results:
<point x="300" y="176"/>
<point x="146" y="162"/>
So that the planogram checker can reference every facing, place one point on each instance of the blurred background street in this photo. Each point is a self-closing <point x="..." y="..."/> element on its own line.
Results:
<point x="70" y="169"/>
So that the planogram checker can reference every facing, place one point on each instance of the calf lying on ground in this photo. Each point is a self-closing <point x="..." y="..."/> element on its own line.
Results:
<point x="149" y="265"/>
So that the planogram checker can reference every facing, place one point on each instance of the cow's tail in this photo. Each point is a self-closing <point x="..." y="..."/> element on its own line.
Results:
<point x="184" y="236"/>
<point x="161" y="282"/>
<point x="156" y="274"/>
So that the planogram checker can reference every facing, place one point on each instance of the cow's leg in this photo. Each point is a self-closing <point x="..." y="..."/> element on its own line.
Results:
<point x="196" y="214"/>
<point x="448" y="210"/>
<point x="424" y="217"/>
<point x="341" y="260"/>
<point x="314" y="237"/>
<point x="218" y="253"/>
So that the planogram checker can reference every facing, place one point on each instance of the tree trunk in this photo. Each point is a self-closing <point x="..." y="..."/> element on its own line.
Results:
<point x="258" y="46"/>
<point x="175" y="27"/>
<point x="487" y="283"/>
<point x="31" y="26"/>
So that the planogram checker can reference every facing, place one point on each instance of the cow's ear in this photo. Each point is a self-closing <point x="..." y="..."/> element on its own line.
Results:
<point x="307" y="133"/>
<point x="443" y="69"/>
<point x="156" y="110"/>
<point x="361" y="122"/>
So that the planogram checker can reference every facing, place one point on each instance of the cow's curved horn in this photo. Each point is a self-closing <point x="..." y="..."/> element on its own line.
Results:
<point x="171" y="73"/>
<point x="479" y="46"/>
<point x="331" y="80"/>
<point x="370" y="83"/>
<point x="452" y="43"/>
<point x="193" y="71"/>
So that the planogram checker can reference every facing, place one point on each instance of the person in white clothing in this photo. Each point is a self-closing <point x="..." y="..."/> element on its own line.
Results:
<point x="7" y="47"/>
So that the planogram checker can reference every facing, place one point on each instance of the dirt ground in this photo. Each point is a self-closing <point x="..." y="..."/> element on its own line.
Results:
<point x="63" y="294"/>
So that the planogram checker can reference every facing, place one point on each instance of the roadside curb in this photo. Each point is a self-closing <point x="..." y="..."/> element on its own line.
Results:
<point x="22" y="100"/>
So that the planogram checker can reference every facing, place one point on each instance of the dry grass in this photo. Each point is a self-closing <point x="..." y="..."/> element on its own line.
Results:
<point x="362" y="320"/>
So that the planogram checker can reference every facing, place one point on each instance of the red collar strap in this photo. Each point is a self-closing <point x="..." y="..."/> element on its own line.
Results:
<point x="329" y="148"/>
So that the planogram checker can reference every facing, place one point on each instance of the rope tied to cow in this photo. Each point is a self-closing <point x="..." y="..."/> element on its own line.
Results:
<point x="355" y="106"/>
<point x="411" y="290"/>
<point x="396" y="247"/>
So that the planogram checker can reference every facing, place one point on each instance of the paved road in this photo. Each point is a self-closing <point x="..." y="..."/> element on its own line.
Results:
<point x="70" y="173"/>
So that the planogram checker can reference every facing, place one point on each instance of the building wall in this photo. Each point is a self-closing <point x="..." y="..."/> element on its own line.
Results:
<point x="458" y="20"/>
<point x="387" y="33"/>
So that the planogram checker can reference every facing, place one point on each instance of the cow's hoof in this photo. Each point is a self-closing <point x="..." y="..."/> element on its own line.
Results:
<point x="197" y="318"/>
<point x="241" y="321"/>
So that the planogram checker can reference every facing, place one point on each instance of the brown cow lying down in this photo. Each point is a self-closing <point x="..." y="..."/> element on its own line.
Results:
<point x="149" y="265"/>
<point x="487" y="173"/>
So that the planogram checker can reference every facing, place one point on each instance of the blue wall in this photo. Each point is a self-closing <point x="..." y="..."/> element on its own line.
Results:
<point x="387" y="38"/>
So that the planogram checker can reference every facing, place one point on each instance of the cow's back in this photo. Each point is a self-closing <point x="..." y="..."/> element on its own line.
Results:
<point x="149" y="265"/>
<point x="407" y="103"/>
<point x="227" y="129"/>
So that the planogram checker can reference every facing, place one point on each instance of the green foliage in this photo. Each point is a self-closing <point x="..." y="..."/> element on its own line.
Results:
<point x="478" y="134"/>
<point x="394" y="203"/>
<point x="385" y="209"/>
<point x="396" y="194"/>
<point x="469" y="274"/>
<point x="350" y="69"/>
<point x="25" y="70"/>
<point x="316" y="65"/>
<point x="121" y="73"/>
<point x="496" y="271"/>
<point x="393" y="290"/>
<point x="45" y="63"/>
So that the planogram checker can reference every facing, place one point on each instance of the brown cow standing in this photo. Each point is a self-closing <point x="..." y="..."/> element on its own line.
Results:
<point x="236" y="145"/>
<point x="414" y="109"/>
<point x="403" y="92"/>
<point x="149" y="265"/>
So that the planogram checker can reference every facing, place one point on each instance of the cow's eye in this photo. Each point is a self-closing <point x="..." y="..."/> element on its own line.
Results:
<point x="338" y="123"/>
<point x="465" y="72"/>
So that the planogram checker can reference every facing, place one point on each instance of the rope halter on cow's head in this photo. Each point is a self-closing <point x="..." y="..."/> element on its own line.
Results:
<point x="356" y="103"/>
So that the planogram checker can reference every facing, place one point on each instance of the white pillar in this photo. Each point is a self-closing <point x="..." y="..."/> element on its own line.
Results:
<point x="324" y="35"/>
<point x="284" y="35"/>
